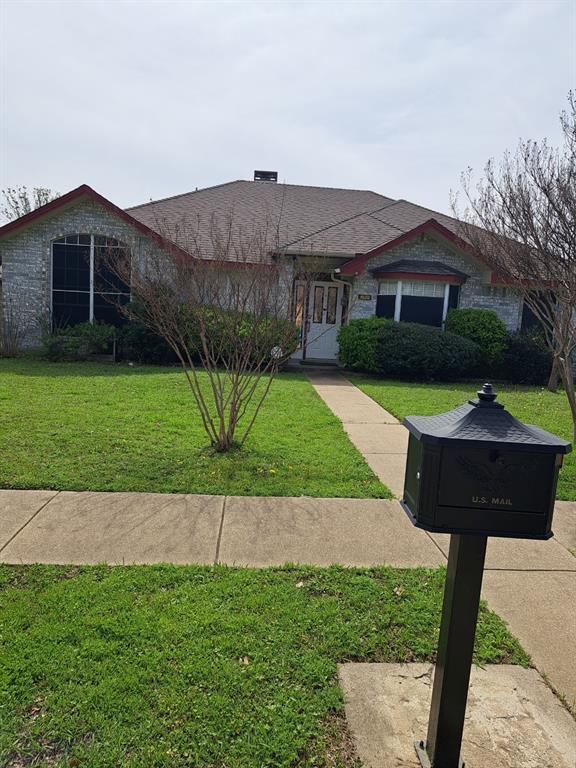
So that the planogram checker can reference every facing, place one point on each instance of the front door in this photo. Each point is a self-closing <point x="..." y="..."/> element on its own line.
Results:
<point x="324" y="320"/>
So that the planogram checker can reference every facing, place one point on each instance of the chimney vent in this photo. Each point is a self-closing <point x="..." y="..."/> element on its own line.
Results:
<point x="266" y="176"/>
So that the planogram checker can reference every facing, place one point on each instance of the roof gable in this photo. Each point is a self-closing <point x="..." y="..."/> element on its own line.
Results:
<point x="84" y="192"/>
<point x="356" y="265"/>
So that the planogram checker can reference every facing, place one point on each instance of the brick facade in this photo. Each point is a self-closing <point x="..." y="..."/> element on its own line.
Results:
<point x="475" y="293"/>
<point x="26" y="258"/>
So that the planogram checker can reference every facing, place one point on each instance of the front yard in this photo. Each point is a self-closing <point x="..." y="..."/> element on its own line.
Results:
<point x="190" y="666"/>
<point x="84" y="426"/>
<point x="533" y="405"/>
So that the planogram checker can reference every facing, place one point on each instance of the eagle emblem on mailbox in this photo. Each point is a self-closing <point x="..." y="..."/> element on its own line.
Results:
<point x="494" y="476"/>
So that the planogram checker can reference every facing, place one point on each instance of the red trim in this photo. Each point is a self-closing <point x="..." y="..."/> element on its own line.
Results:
<point x="84" y="191"/>
<point x="357" y="264"/>
<point x="451" y="279"/>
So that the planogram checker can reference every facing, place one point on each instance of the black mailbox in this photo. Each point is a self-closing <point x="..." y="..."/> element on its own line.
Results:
<point x="478" y="470"/>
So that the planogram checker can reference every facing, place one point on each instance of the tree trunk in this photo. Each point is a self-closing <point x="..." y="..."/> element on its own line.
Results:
<point x="567" y="376"/>
<point x="554" y="379"/>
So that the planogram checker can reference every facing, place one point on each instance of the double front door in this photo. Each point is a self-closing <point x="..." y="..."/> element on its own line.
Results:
<point x="324" y="318"/>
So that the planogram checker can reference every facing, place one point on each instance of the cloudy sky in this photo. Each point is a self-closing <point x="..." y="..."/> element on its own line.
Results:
<point x="142" y="100"/>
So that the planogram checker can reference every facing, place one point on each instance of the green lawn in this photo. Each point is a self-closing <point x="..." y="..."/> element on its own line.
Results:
<point x="534" y="405"/>
<point x="85" y="426"/>
<point x="194" y="666"/>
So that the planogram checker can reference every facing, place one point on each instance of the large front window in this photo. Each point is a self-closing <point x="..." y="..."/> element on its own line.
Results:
<point x="416" y="301"/>
<point x="84" y="288"/>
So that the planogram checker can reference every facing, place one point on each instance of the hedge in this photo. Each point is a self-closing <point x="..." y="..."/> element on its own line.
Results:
<point x="422" y="352"/>
<point x="407" y="350"/>
<point x="357" y="343"/>
<point x="527" y="359"/>
<point x="483" y="327"/>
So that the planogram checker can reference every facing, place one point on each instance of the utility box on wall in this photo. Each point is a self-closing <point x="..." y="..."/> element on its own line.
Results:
<point x="479" y="470"/>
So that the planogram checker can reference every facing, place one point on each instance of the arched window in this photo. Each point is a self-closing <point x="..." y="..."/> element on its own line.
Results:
<point x="84" y="288"/>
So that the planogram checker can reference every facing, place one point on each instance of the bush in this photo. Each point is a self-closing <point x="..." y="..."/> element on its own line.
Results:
<point x="141" y="345"/>
<point x="412" y="351"/>
<point x="77" y="342"/>
<point x="527" y="359"/>
<point x="483" y="327"/>
<point x="227" y="331"/>
<point x="357" y="342"/>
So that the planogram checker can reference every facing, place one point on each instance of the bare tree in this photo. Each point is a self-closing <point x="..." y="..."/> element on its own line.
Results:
<point x="20" y="200"/>
<point x="12" y="329"/>
<point x="521" y="218"/>
<point x="224" y="306"/>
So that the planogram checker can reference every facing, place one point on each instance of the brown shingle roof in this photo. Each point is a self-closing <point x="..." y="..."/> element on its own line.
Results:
<point x="295" y="211"/>
<point x="302" y="219"/>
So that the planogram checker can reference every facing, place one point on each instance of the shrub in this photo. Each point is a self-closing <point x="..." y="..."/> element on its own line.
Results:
<point x="141" y="345"/>
<point x="527" y="359"/>
<point x="77" y="342"/>
<point x="11" y="329"/>
<point x="412" y="351"/>
<point x="227" y="331"/>
<point x="357" y="342"/>
<point x="483" y="327"/>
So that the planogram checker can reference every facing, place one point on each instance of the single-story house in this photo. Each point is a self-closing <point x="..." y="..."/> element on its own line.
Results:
<point x="382" y="257"/>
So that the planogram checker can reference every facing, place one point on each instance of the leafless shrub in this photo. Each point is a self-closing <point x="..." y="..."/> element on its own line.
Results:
<point x="223" y="304"/>
<point x="12" y="329"/>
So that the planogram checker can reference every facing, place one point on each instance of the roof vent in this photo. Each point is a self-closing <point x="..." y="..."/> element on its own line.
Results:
<point x="265" y="175"/>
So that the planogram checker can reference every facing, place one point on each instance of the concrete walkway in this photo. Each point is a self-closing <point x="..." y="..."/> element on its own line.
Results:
<point x="378" y="435"/>
<point x="531" y="584"/>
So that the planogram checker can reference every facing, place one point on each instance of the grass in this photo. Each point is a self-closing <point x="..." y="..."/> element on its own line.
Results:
<point x="87" y="426"/>
<point x="192" y="666"/>
<point x="533" y="405"/>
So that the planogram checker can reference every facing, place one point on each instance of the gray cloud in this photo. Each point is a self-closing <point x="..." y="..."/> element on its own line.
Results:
<point x="145" y="99"/>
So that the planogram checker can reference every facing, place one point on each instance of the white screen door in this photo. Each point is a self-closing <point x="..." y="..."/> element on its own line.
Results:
<point x="324" y="320"/>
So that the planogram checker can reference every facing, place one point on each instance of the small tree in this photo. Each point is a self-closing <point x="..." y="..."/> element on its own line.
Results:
<point x="224" y="306"/>
<point x="20" y="200"/>
<point x="522" y="219"/>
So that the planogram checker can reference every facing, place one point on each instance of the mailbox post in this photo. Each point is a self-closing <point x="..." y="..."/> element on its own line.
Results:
<point x="473" y="472"/>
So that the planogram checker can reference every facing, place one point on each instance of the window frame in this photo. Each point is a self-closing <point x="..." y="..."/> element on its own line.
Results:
<point x="445" y="298"/>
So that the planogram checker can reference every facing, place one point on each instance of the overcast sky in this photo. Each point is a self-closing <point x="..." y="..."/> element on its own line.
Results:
<point x="142" y="100"/>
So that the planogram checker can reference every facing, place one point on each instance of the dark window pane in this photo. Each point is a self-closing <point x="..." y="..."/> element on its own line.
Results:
<point x="422" y="309"/>
<point x="106" y="308"/>
<point x="385" y="306"/>
<point x="318" y="303"/>
<point x="453" y="296"/>
<point x="71" y="267"/>
<point x="72" y="239"/>
<point x="105" y="280"/>
<point x="70" y="308"/>
<point x="332" y="305"/>
<point x="60" y="240"/>
<point x="299" y="305"/>
<point x="529" y="319"/>
<point x="102" y="240"/>
<point x="84" y="239"/>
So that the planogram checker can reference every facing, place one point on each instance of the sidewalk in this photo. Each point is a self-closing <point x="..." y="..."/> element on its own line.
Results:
<point x="531" y="584"/>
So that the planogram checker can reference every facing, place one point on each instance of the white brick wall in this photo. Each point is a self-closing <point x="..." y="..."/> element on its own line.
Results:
<point x="475" y="293"/>
<point x="26" y="257"/>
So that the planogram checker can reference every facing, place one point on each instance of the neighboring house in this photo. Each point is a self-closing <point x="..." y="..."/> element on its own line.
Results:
<point x="381" y="257"/>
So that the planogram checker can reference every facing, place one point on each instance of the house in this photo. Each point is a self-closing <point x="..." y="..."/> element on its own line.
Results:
<point x="382" y="257"/>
